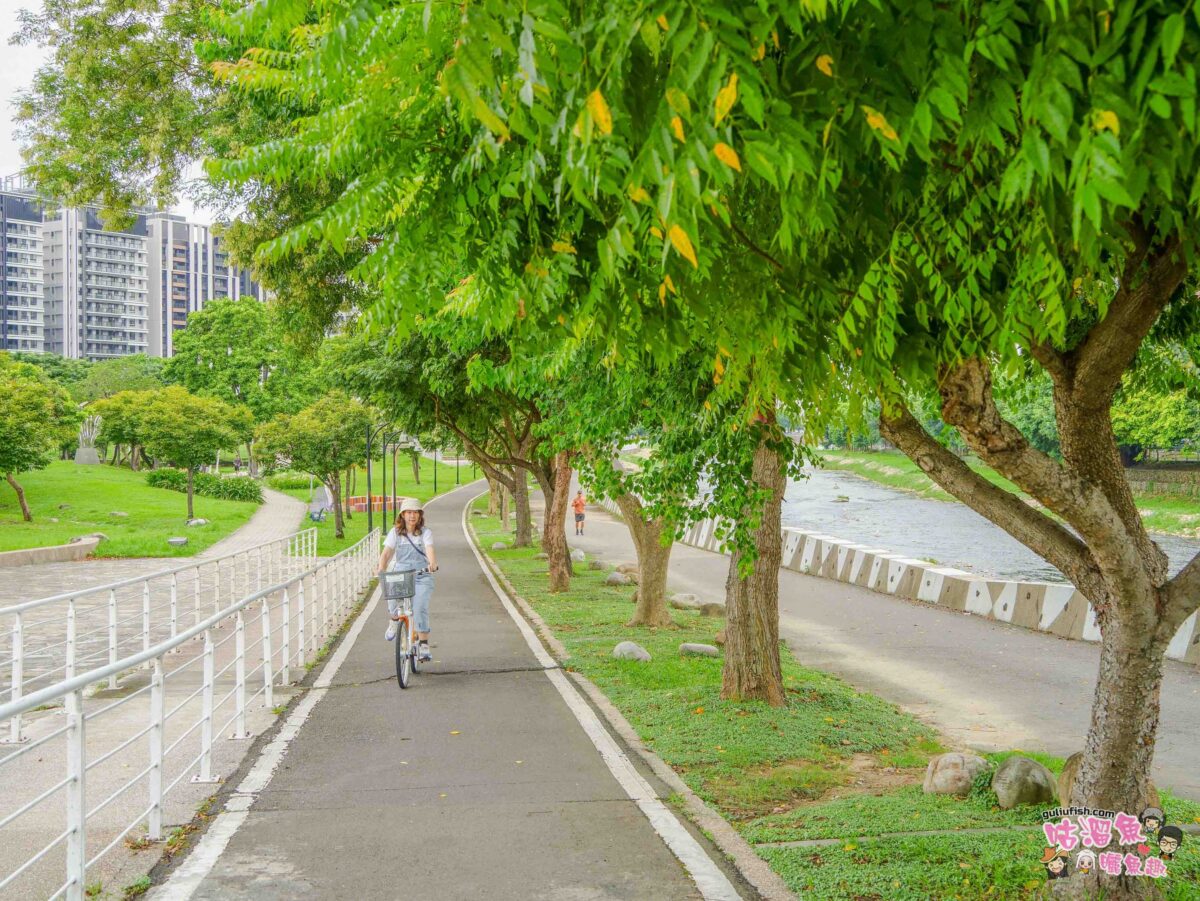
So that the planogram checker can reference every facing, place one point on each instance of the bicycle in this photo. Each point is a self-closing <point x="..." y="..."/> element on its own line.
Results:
<point x="400" y="586"/>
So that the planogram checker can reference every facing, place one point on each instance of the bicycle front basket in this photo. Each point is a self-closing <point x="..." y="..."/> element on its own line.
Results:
<point x="399" y="584"/>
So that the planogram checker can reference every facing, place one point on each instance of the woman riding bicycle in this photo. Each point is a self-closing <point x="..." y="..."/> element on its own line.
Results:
<point x="409" y="546"/>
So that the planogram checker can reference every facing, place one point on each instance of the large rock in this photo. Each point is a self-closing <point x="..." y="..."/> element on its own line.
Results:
<point x="499" y="546"/>
<point x="630" y="569"/>
<point x="541" y="556"/>
<point x="1066" y="782"/>
<point x="578" y="556"/>
<point x="712" y="609"/>
<point x="119" y="514"/>
<point x="689" y="648"/>
<point x="720" y="639"/>
<point x="617" y="579"/>
<point x="177" y="542"/>
<point x="952" y="774"/>
<point x="630" y="650"/>
<point x="595" y="564"/>
<point x="684" y="601"/>
<point x="1021" y="780"/>
<point x="197" y="522"/>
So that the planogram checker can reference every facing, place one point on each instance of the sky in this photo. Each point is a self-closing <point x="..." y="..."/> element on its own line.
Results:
<point x="17" y="67"/>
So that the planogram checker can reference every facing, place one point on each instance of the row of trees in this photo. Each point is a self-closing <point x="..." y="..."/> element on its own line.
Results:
<point x="784" y="208"/>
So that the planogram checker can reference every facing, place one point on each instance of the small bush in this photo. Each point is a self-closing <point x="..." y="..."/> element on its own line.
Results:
<point x="289" y="481"/>
<point x="206" y="485"/>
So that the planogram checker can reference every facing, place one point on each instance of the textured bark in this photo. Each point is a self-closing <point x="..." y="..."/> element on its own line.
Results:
<point x="135" y="457"/>
<point x="504" y="508"/>
<point x="554" y="529"/>
<point x="415" y="459"/>
<point x="752" y="669"/>
<point x="493" y="508"/>
<point x="16" y="486"/>
<point x="191" y="476"/>
<point x="653" y="558"/>
<point x="520" y="496"/>
<point x="333" y="483"/>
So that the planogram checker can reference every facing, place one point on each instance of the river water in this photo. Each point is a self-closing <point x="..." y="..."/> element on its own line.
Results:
<point x="950" y="534"/>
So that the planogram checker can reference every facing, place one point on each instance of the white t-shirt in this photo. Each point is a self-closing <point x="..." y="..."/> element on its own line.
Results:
<point x="393" y="539"/>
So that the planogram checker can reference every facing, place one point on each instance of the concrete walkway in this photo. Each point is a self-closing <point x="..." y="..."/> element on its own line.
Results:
<point x="987" y="685"/>
<point x="476" y="782"/>
<point x="279" y="515"/>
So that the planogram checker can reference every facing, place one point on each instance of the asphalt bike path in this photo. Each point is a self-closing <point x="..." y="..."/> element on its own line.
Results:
<point x="479" y="781"/>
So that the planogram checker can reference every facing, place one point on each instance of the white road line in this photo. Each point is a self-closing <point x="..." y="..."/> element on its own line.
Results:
<point x="184" y="881"/>
<point x="709" y="879"/>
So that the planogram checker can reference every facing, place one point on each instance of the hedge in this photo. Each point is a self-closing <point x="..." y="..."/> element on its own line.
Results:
<point x="206" y="485"/>
<point x="285" y="481"/>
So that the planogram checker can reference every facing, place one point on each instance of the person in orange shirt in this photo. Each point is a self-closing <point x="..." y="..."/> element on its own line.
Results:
<point x="578" y="505"/>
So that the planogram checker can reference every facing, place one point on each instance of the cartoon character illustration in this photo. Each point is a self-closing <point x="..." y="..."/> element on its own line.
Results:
<point x="1055" y="862"/>
<point x="1152" y="820"/>
<point x="1169" y="840"/>
<point x="1085" y="862"/>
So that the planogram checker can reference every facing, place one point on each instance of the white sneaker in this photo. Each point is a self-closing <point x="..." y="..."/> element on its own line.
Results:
<point x="392" y="629"/>
<point x="425" y="653"/>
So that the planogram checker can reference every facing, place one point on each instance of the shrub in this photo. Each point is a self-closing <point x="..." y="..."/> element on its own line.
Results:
<point x="205" y="485"/>
<point x="284" y="481"/>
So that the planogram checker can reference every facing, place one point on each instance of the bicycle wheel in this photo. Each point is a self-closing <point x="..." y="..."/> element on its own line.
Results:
<point x="416" y="655"/>
<point x="403" y="655"/>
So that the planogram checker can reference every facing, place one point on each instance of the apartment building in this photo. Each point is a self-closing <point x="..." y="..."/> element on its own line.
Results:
<point x="76" y="287"/>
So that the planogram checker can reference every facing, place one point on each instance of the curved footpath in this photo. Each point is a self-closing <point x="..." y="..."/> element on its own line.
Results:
<point x="986" y="684"/>
<point x="279" y="515"/>
<point x="485" y="779"/>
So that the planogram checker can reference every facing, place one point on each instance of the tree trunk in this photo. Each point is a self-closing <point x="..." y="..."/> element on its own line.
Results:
<point x="25" y="514"/>
<point x="251" y="464"/>
<point x="191" y="473"/>
<point x="415" y="459"/>
<point x="653" y="558"/>
<point x="493" y="497"/>
<point x="504" y="509"/>
<point x="752" y="668"/>
<point x="333" y="484"/>
<point x="135" y="457"/>
<point x="520" y="498"/>
<point x="346" y="497"/>
<point x="116" y="455"/>
<point x="554" y="529"/>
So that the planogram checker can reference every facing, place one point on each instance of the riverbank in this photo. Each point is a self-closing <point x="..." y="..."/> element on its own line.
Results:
<point x="1166" y="513"/>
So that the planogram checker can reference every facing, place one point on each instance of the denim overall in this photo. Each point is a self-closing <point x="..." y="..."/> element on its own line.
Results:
<point x="409" y="557"/>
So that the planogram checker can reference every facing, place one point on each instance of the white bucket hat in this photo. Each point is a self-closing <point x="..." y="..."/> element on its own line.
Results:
<point x="411" y="503"/>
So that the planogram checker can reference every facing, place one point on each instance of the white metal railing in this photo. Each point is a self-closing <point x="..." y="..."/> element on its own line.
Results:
<point x="279" y="628"/>
<point x="53" y="638"/>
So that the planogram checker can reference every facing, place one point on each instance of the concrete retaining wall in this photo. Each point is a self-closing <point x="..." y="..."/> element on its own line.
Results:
<point x="59" y="553"/>
<point x="1057" y="608"/>
<point x="1166" y="478"/>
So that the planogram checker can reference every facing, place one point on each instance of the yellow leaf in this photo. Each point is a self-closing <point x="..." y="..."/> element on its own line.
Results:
<point x="1106" y="120"/>
<point x="562" y="247"/>
<point x="656" y="231"/>
<point x="601" y="114"/>
<point x="775" y="39"/>
<point x="662" y="293"/>
<point x="520" y="307"/>
<point x="670" y="284"/>
<point x="698" y="710"/>
<point x="707" y="405"/>
<point x="639" y="195"/>
<point x="727" y="155"/>
<point x="677" y="127"/>
<point x="678" y="101"/>
<point x="683" y="244"/>
<point x="726" y="98"/>
<point x="562" y="320"/>
<point x="825" y="133"/>
<point x="879" y="123"/>
<point x="663" y="23"/>
<point x="825" y="64"/>
<point x="759" y="52"/>
<point x="718" y="365"/>
<point x="850" y="846"/>
<point x="455" y="732"/>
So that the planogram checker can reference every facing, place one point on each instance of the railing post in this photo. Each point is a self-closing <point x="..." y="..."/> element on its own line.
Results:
<point x="239" y="674"/>
<point x="196" y="590"/>
<point x="304" y="652"/>
<point x="112" y="635"/>
<point x="76" y="797"/>
<point x="157" y="716"/>
<point x="258" y="570"/>
<point x="18" y="676"/>
<point x="174" y="606"/>
<point x="285" y="670"/>
<point x="206" y="729"/>
<point x="268" y="676"/>
<point x="69" y="669"/>
<point x="325" y="582"/>
<point x="146" y="620"/>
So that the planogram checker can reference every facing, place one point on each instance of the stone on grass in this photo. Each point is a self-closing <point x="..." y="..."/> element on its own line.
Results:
<point x="578" y="556"/>
<point x="630" y="650"/>
<point x="720" y="639"/>
<point x="64" y="506"/>
<point x="595" y="564"/>
<point x="699" y="650"/>
<point x="52" y="519"/>
<point x="712" y="609"/>
<point x="1066" y="782"/>
<point x="197" y="522"/>
<point x="499" y="546"/>
<point x="541" y="555"/>
<point x="478" y="513"/>
<point x="1021" y="780"/>
<point x="953" y="774"/>
<point x="617" y="579"/>
<point x="634" y="596"/>
<point x="118" y="513"/>
<point x="177" y="542"/>
<point x="628" y="568"/>
<point x="684" y="601"/>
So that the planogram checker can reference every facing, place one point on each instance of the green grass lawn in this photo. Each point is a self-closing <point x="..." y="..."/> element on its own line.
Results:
<point x="356" y="525"/>
<point x="82" y="499"/>
<point x="1167" y="513"/>
<point x="834" y="763"/>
